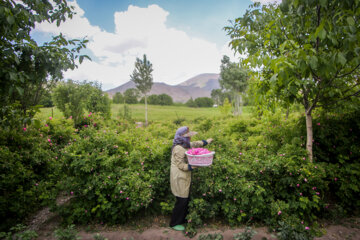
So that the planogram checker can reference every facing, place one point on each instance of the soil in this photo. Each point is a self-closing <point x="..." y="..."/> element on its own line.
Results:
<point x="46" y="222"/>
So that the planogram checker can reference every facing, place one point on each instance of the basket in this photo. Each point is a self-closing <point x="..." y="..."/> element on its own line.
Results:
<point x="200" y="160"/>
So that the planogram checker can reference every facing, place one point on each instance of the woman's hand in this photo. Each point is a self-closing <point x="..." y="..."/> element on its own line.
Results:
<point x="209" y="140"/>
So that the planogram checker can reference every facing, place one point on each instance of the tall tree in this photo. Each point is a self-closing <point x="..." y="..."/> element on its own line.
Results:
<point x="304" y="51"/>
<point x="216" y="96"/>
<point x="233" y="78"/>
<point x="26" y="68"/>
<point x="142" y="77"/>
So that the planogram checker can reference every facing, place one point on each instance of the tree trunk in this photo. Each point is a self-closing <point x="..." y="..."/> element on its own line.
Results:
<point x="236" y="104"/>
<point x="240" y="104"/>
<point x="309" y="133"/>
<point x="146" y="120"/>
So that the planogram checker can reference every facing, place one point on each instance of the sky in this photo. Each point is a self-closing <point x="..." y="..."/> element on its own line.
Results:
<point x="180" y="38"/>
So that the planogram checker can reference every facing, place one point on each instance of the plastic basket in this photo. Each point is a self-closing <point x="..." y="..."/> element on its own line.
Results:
<point x="200" y="160"/>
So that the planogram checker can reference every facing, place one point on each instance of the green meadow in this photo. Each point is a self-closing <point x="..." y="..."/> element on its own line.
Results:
<point x="155" y="112"/>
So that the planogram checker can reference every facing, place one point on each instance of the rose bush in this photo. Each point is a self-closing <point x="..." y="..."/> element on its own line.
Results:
<point x="114" y="171"/>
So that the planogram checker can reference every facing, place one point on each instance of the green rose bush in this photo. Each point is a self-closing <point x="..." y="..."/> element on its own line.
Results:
<point x="113" y="170"/>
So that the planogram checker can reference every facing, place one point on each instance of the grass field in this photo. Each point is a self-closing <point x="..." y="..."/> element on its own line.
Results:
<point x="155" y="112"/>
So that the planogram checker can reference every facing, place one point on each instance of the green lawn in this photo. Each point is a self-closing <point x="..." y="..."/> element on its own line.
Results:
<point x="155" y="112"/>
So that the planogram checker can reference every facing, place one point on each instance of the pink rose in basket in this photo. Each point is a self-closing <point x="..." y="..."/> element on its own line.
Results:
<point x="198" y="151"/>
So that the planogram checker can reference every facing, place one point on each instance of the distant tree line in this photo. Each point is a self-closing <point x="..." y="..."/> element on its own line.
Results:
<point x="131" y="96"/>
<point x="200" y="102"/>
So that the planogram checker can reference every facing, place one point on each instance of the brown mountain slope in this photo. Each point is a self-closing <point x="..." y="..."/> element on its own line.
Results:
<point x="198" y="86"/>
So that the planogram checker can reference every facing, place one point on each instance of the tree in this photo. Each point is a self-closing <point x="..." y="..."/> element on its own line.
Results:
<point x="153" y="99"/>
<point x="204" y="102"/>
<point x="96" y="100"/>
<point x="26" y="68"/>
<point x="72" y="98"/>
<point x="118" y="98"/>
<point x="131" y="96"/>
<point x="233" y="78"/>
<point x="216" y="96"/>
<point x="143" y="79"/>
<point x="165" y="99"/>
<point x="190" y="103"/>
<point x="302" y="52"/>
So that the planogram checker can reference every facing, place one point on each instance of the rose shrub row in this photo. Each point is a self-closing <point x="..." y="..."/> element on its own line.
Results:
<point x="114" y="171"/>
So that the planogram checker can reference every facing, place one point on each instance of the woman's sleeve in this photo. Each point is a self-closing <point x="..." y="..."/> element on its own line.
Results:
<point x="197" y="144"/>
<point x="178" y="160"/>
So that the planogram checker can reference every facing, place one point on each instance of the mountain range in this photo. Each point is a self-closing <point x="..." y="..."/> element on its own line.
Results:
<point x="198" y="86"/>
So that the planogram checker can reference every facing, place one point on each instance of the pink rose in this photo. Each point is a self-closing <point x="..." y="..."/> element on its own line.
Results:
<point x="279" y="212"/>
<point x="50" y="118"/>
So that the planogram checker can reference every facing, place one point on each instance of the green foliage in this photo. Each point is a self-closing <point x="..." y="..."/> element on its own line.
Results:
<point x="190" y="103"/>
<point x="118" y="98"/>
<point x="298" y="52"/>
<point x="72" y="98"/>
<point x="142" y="75"/>
<point x="225" y="109"/>
<point x="204" y="102"/>
<point x="46" y="99"/>
<point x="162" y="99"/>
<point x="125" y="113"/>
<point x="116" y="172"/>
<point x="68" y="233"/>
<point x="19" y="232"/>
<point x="26" y="68"/>
<point x="99" y="237"/>
<point x="200" y="102"/>
<point x="293" y="232"/>
<point x="119" y="178"/>
<point x="30" y="168"/>
<point x="131" y="96"/>
<point x="97" y="101"/>
<point x="234" y="79"/>
<point x="211" y="236"/>
<point x="246" y="235"/>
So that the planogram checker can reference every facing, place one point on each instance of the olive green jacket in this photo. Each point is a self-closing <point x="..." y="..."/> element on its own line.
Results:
<point x="180" y="175"/>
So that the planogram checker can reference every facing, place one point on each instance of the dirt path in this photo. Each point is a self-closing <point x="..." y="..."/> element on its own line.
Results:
<point x="45" y="223"/>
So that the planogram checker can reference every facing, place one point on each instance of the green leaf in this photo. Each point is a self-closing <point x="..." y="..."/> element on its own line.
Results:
<point x="322" y="34"/>
<point x="20" y="90"/>
<point x="323" y="3"/>
<point x="273" y="78"/>
<point x="10" y="20"/>
<point x="350" y="21"/>
<point x="313" y="62"/>
<point x="341" y="58"/>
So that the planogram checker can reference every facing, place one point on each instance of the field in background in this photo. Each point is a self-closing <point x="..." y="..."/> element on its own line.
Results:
<point x="155" y="112"/>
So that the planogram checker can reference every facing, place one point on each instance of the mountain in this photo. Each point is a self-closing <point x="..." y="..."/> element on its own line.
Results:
<point x="198" y="86"/>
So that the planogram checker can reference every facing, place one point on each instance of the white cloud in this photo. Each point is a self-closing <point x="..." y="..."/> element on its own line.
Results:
<point x="264" y="2"/>
<point x="175" y="55"/>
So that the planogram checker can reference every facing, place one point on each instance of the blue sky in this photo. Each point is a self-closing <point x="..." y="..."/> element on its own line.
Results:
<point x="199" y="18"/>
<point x="180" y="38"/>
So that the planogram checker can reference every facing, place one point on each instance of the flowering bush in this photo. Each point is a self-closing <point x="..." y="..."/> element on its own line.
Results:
<point x="115" y="171"/>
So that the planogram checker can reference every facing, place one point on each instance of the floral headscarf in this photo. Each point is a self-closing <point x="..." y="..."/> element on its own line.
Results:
<point x="179" y="139"/>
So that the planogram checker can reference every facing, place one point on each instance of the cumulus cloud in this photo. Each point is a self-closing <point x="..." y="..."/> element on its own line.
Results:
<point x="264" y="2"/>
<point x="175" y="55"/>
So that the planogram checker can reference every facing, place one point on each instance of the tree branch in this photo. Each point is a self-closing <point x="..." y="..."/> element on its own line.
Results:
<point x="345" y="74"/>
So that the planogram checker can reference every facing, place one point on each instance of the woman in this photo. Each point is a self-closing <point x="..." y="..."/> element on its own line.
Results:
<point x="180" y="174"/>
